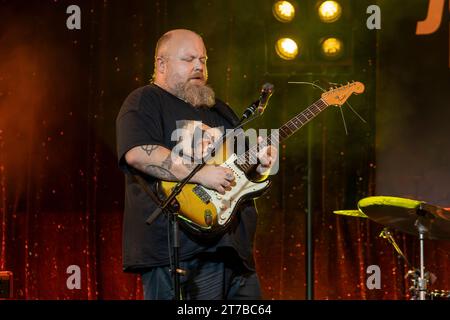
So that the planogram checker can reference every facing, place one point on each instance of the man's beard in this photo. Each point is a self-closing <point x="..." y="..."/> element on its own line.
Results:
<point x="196" y="95"/>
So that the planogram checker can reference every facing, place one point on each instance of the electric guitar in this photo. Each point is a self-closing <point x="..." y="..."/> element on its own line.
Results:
<point x="207" y="211"/>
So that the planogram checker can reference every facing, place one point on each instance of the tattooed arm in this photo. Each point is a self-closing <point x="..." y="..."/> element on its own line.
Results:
<point x="158" y="161"/>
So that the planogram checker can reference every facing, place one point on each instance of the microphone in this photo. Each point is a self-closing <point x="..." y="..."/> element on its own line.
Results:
<point x="260" y="104"/>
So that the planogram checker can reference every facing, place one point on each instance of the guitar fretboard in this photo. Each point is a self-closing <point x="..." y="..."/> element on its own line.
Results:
<point x="249" y="158"/>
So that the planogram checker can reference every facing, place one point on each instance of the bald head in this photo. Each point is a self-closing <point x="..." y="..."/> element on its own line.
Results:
<point x="171" y="39"/>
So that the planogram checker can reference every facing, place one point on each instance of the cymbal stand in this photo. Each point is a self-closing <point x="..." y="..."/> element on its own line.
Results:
<point x="419" y="277"/>
<point x="422" y="281"/>
<point x="387" y="234"/>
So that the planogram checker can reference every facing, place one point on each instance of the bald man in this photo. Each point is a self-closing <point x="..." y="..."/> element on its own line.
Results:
<point x="179" y="99"/>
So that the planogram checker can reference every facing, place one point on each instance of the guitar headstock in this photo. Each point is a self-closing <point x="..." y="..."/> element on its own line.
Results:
<point x="338" y="96"/>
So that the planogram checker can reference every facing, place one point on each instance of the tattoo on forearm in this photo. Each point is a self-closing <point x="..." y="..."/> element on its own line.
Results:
<point x="149" y="148"/>
<point x="162" y="171"/>
<point x="167" y="162"/>
<point x="159" y="172"/>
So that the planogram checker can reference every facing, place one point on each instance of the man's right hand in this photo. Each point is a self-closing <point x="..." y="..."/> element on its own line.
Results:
<point x="215" y="177"/>
<point x="158" y="161"/>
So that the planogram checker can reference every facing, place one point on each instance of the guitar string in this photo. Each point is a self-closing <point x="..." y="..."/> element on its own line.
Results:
<point x="287" y="130"/>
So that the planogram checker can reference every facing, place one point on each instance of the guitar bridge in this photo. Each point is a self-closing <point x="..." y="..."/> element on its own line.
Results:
<point x="202" y="194"/>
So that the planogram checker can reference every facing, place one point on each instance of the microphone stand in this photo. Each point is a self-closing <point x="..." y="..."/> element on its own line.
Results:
<point x="171" y="206"/>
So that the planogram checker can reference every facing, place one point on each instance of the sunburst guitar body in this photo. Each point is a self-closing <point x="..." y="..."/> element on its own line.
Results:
<point x="206" y="210"/>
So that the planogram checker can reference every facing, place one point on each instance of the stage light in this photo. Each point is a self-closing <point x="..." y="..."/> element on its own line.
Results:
<point x="283" y="11"/>
<point x="330" y="11"/>
<point x="332" y="48"/>
<point x="286" y="48"/>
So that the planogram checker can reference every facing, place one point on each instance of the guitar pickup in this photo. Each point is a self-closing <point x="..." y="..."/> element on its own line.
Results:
<point x="202" y="194"/>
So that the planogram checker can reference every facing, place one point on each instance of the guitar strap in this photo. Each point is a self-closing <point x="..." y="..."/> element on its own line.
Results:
<point x="147" y="189"/>
<point x="227" y="113"/>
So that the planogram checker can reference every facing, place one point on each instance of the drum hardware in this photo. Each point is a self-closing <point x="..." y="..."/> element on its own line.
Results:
<point x="414" y="217"/>
<point x="440" y="295"/>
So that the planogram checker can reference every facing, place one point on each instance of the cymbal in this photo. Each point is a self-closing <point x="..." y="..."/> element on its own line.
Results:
<point x="405" y="214"/>
<point x="351" y="213"/>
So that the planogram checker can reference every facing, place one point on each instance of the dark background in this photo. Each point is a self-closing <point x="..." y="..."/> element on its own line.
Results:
<point x="61" y="193"/>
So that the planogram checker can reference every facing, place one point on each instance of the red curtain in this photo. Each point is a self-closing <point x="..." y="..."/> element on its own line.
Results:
<point x="61" y="193"/>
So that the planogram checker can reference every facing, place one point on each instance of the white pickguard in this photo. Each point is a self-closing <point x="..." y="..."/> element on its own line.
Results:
<point x="225" y="203"/>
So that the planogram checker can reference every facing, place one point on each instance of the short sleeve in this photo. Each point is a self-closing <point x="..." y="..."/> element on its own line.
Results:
<point x="138" y="123"/>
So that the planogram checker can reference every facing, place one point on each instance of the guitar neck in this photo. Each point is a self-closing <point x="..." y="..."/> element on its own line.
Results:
<point x="293" y="125"/>
<point x="247" y="160"/>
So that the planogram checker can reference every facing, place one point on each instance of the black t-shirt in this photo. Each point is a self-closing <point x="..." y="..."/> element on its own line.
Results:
<point x="149" y="116"/>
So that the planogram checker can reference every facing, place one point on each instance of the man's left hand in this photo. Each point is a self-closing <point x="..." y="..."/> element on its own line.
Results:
<point x="266" y="157"/>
